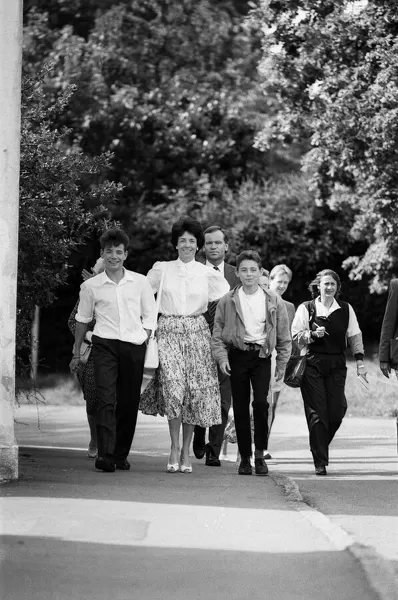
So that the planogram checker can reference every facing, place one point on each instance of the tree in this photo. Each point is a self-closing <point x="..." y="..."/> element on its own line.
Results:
<point x="330" y="69"/>
<point x="169" y="88"/>
<point x="57" y="183"/>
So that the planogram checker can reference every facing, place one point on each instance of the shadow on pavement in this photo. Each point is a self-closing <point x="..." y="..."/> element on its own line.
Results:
<point x="82" y="571"/>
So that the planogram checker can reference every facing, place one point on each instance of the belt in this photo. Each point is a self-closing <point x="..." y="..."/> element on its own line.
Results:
<point x="251" y="346"/>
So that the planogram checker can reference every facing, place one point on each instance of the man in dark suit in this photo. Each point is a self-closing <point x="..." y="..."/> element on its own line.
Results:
<point x="215" y="248"/>
<point x="389" y="331"/>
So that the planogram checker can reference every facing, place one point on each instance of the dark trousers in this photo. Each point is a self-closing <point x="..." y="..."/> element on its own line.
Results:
<point x="247" y="367"/>
<point x="118" y="369"/>
<point x="324" y="399"/>
<point x="216" y="432"/>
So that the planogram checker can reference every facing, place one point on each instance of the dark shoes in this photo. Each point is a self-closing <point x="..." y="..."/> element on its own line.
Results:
<point x="104" y="465"/>
<point x="320" y="470"/>
<point x="245" y="467"/>
<point x="122" y="465"/>
<point x="260" y="466"/>
<point x="211" y="460"/>
<point x="198" y="446"/>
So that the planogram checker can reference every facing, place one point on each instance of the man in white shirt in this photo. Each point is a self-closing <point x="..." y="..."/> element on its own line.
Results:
<point x="215" y="248"/>
<point x="124" y="308"/>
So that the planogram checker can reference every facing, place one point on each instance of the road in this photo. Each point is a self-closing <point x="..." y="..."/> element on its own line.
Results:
<point x="148" y="534"/>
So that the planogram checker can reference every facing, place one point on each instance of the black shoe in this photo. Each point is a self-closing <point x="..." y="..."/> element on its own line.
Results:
<point x="122" y="465"/>
<point x="260" y="466"/>
<point x="104" y="465"/>
<point x="198" y="446"/>
<point x="245" y="467"/>
<point x="212" y="461"/>
<point x="267" y="456"/>
<point x="320" y="470"/>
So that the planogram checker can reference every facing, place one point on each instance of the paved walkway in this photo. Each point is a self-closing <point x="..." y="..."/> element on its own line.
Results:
<point x="70" y="532"/>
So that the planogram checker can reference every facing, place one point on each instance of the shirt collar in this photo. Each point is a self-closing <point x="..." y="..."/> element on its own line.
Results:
<point x="127" y="276"/>
<point x="322" y="308"/>
<point x="186" y="266"/>
<point x="220" y="267"/>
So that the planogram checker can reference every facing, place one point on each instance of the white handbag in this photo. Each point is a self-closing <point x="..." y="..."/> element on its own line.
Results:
<point x="152" y="352"/>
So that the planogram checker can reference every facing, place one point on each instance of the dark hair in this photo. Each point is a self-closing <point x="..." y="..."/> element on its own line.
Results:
<point x="248" y="255"/>
<point x="214" y="228"/>
<point x="187" y="224"/>
<point x="114" y="237"/>
<point x="313" y="287"/>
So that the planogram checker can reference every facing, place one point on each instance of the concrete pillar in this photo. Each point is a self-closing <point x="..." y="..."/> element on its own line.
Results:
<point x="10" y="113"/>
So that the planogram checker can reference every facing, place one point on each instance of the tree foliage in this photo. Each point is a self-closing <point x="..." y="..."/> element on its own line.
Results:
<point x="57" y="183"/>
<point x="331" y="69"/>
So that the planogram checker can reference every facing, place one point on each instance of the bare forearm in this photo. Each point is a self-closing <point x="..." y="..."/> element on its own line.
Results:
<point x="80" y="332"/>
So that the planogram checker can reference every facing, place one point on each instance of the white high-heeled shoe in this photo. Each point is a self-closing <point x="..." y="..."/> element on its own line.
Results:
<point x="185" y="469"/>
<point x="172" y="467"/>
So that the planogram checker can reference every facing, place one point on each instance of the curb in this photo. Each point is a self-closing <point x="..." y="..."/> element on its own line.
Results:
<point x="379" y="572"/>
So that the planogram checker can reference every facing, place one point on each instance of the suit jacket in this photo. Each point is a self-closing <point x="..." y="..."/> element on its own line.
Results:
<point x="389" y="328"/>
<point x="290" y="308"/>
<point x="231" y="276"/>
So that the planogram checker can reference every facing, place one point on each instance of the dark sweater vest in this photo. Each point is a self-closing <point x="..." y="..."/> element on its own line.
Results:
<point x="336" y="325"/>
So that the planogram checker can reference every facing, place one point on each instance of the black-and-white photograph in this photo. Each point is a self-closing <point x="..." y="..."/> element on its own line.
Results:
<point x="198" y="299"/>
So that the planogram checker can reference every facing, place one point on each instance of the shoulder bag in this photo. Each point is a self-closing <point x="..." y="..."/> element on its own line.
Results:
<point x="298" y="359"/>
<point x="152" y="352"/>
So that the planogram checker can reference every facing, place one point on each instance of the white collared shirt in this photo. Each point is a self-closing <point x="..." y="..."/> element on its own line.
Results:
<point x="187" y="287"/>
<point x="301" y="318"/>
<point x="253" y="310"/>
<point x="220" y="267"/>
<point x="122" y="310"/>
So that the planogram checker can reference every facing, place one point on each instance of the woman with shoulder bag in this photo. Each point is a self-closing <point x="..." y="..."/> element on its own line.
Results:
<point x="331" y="325"/>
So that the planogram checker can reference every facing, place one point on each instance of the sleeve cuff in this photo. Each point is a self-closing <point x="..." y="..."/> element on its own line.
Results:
<point x="359" y="356"/>
<point x="148" y="325"/>
<point x="84" y="320"/>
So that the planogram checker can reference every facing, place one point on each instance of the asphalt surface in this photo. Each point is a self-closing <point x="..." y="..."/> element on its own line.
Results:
<point x="71" y="532"/>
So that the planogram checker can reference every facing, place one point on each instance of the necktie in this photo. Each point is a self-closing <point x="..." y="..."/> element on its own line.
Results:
<point x="211" y="308"/>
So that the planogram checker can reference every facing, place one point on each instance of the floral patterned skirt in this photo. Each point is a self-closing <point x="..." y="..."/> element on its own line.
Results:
<point x="85" y="376"/>
<point x="185" y="384"/>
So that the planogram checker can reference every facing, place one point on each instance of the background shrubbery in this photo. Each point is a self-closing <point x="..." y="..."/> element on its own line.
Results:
<point x="277" y="120"/>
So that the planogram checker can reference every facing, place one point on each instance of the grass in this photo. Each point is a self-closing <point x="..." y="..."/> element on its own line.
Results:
<point x="379" y="401"/>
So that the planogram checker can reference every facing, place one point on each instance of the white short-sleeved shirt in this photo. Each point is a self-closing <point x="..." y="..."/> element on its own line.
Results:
<point x="122" y="310"/>
<point x="187" y="287"/>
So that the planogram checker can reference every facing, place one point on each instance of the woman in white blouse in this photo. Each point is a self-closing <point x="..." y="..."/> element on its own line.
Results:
<point x="185" y="387"/>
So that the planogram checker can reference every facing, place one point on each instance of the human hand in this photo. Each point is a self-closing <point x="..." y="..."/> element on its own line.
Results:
<point x="225" y="368"/>
<point x="86" y="275"/>
<point x="361" y="371"/>
<point x="279" y="374"/>
<point x="385" y="369"/>
<point x="74" y="364"/>
<point x="319" y="332"/>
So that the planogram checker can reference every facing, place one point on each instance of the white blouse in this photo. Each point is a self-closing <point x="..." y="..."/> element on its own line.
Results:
<point x="187" y="287"/>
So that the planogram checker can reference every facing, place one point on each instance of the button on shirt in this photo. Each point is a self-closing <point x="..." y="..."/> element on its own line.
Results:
<point x="122" y="310"/>
<point x="187" y="287"/>
<point x="253" y="309"/>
